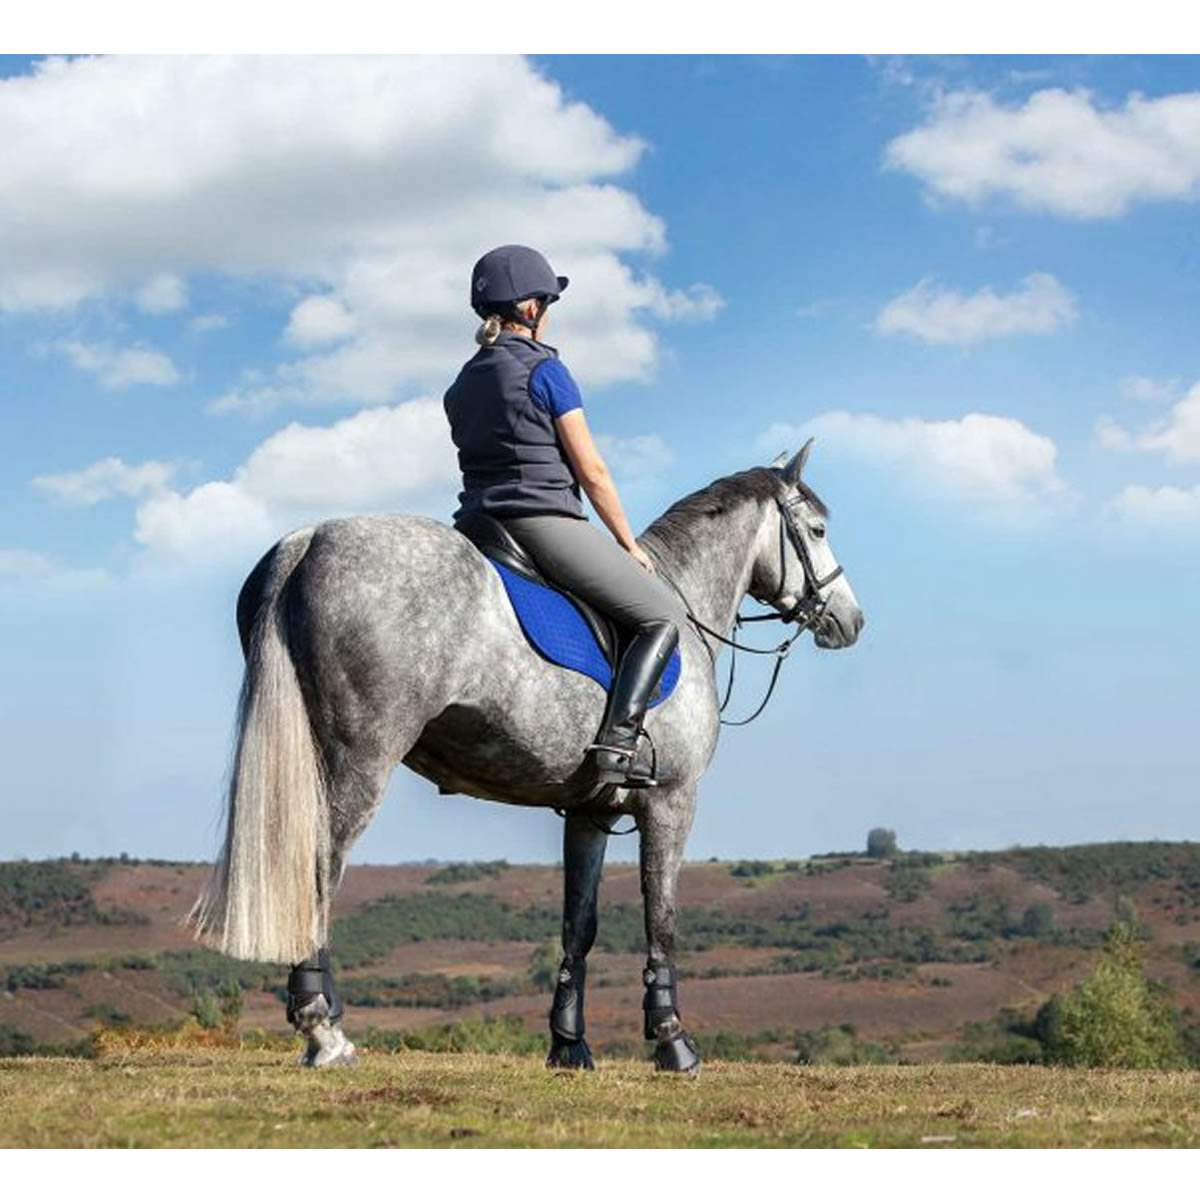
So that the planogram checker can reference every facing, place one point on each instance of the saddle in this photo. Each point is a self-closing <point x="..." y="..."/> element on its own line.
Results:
<point x="497" y="545"/>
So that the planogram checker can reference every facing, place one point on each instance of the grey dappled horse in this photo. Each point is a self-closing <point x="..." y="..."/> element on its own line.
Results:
<point x="377" y="640"/>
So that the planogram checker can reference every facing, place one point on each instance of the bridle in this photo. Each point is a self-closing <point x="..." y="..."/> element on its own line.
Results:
<point x="811" y="605"/>
<point x="806" y="611"/>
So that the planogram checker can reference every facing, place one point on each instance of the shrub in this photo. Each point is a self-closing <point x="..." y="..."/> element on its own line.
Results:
<point x="1013" y="1050"/>
<point x="1114" y="1018"/>
<point x="838" y="1046"/>
<point x="544" y="963"/>
<point x="750" y="868"/>
<point x="468" y="872"/>
<point x="728" y="1045"/>
<point x="1037" y="921"/>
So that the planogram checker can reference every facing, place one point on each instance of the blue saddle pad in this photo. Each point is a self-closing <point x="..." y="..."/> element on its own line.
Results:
<point x="558" y="633"/>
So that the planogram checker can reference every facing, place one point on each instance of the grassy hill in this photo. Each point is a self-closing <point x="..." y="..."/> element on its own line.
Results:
<point x="916" y="958"/>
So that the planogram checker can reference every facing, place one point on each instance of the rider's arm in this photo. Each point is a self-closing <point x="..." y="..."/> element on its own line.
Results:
<point x="552" y="389"/>
<point x="593" y="475"/>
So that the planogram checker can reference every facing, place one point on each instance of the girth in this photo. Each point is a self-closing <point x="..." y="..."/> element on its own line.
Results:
<point x="494" y="542"/>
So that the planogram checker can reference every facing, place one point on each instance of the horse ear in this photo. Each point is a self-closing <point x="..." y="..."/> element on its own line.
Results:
<point x="794" y="469"/>
<point x="780" y="460"/>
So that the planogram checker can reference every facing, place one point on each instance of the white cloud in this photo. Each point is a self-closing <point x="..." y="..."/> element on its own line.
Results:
<point x="699" y="303"/>
<point x="1110" y="436"/>
<point x="162" y="294"/>
<point x="944" y="317"/>
<point x="645" y="456"/>
<point x="368" y="183"/>
<point x="1061" y="152"/>
<point x="207" y="322"/>
<point x="397" y="459"/>
<point x="24" y="563"/>
<point x="1158" y="507"/>
<point x="117" y="368"/>
<point x="1176" y="437"/>
<point x="109" y="477"/>
<point x="1150" y="391"/>
<point x="255" y="395"/>
<point x="318" y="319"/>
<point x="993" y="463"/>
<point x="986" y="238"/>
<point x="19" y="567"/>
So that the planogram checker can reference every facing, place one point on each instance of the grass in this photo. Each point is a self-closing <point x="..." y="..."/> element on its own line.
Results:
<point x="147" y="1094"/>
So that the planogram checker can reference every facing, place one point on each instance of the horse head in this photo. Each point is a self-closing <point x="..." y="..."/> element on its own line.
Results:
<point x="796" y="572"/>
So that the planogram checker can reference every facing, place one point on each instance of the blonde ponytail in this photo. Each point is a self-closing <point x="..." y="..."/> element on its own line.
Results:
<point x="489" y="331"/>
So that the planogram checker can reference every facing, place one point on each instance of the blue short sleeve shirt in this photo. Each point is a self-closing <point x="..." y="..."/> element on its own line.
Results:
<point x="553" y="390"/>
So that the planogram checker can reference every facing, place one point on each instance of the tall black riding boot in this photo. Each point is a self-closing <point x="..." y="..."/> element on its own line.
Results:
<point x="614" y="754"/>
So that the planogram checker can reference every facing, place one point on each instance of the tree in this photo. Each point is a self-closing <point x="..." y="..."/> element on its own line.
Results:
<point x="881" y="843"/>
<point x="1037" y="921"/>
<point x="1114" y="1018"/>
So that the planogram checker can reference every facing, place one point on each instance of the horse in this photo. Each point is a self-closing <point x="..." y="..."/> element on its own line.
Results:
<point x="375" y="640"/>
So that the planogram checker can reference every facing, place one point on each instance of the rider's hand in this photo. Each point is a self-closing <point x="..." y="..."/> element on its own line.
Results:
<point x="641" y="558"/>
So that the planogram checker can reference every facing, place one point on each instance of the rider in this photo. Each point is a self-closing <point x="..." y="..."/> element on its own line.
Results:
<point x="525" y="451"/>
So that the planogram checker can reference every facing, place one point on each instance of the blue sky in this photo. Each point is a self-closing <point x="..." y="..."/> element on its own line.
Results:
<point x="232" y="292"/>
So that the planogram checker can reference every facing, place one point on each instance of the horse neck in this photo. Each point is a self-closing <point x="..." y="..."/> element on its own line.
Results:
<point x="710" y="558"/>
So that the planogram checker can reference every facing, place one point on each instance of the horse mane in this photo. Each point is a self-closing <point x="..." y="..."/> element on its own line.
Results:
<point x="719" y="497"/>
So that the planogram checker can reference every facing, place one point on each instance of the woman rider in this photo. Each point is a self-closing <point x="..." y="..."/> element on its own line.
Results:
<point x="525" y="451"/>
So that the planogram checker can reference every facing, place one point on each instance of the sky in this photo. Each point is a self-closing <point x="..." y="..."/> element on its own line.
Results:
<point x="233" y="290"/>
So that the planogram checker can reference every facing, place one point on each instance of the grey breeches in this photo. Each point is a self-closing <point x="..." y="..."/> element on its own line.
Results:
<point x="586" y="560"/>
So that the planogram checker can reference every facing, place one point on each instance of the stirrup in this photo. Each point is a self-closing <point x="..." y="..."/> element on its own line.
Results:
<point x="623" y="770"/>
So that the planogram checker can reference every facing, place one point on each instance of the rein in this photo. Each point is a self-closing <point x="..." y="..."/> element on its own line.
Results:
<point x="803" y="613"/>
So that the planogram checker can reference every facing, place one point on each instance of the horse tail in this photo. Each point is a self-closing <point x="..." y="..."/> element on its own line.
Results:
<point x="268" y="897"/>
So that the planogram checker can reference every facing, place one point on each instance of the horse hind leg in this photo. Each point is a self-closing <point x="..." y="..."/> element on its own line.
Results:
<point x="314" y="1007"/>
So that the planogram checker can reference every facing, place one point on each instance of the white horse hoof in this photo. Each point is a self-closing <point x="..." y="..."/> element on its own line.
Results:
<point x="328" y="1046"/>
<point x="345" y="1057"/>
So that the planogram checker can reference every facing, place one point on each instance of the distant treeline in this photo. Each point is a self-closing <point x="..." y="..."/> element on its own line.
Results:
<point x="966" y="932"/>
<point x="1081" y="873"/>
<point x="56" y="892"/>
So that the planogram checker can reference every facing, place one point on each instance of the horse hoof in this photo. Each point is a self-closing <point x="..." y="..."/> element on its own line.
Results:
<point x="571" y="1056"/>
<point x="678" y="1054"/>
<point x="345" y="1057"/>
<point x="329" y="1047"/>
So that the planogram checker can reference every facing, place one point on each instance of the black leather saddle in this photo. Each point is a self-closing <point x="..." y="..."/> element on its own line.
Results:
<point x="494" y="542"/>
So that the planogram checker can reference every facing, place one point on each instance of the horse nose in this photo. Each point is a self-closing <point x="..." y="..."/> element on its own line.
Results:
<point x="859" y="621"/>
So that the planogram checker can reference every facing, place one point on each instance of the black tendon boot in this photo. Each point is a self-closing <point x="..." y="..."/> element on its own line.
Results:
<point x="614" y="754"/>
<point x="309" y="979"/>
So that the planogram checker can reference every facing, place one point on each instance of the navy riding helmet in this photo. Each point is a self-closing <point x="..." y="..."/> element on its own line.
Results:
<point x="511" y="273"/>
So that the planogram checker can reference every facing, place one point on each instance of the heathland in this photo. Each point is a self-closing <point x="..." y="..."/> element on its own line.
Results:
<point x="897" y="958"/>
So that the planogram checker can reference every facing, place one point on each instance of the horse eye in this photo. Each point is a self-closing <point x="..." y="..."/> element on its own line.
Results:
<point x="818" y="531"/>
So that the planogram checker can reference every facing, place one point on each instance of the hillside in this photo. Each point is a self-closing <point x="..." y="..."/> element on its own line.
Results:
<point x="925" y="957"/>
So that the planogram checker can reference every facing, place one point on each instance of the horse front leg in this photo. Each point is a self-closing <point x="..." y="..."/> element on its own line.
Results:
<point x="664" y="824"/>
<point x="585" y="839"/>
